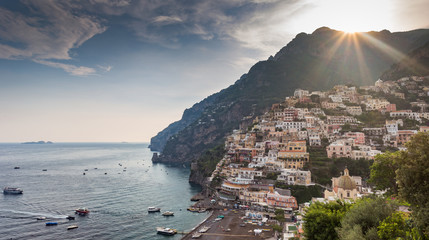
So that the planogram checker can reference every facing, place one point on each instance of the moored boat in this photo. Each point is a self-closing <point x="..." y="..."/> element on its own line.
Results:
<point x="166" y="231"/>
<point x="204" y="229"/>
<point x="12" y="190"/>
<point x="51" y="223"/>
<point x="168" y="213"/>
<point x="153" y="209"/>
<point x="82" y="211"/>
<point x="197" y="235"/>
<point x="72" y="227"/>
<point x="191" y="209"/>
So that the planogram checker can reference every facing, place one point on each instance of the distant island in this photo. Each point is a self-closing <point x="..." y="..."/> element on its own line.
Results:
<point x="39" y="142"/>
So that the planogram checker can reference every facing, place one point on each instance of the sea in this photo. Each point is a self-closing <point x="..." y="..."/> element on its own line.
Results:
<point x="117" y="182"/>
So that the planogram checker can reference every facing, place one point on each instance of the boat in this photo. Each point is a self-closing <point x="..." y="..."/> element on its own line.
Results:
<point x="82" y="211"/>
<point x="166" y="231"/>
<point x="72" y="227"/>
<point x="70" y="217"/>
<point x="168" y="213"/>
<point x="153" y="209"/>
<point x="16" y="168"/>
<point x="204" y="229"/>
<point x="44" y="170"/>
<point x="196" y="235"/>
<point x="41" y="218"/>
<point x="12" y="190"/>
<point x="191" y="209"/>
<point x="51" y="223"/>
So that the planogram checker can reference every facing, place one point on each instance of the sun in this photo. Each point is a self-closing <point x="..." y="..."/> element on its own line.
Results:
<point x="349" y="16"/>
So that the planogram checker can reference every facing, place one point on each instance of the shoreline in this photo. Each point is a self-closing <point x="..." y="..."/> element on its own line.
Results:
<point x="190" y="233"/>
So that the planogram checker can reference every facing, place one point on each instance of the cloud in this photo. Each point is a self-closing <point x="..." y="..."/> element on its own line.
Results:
<point x="48" y="32"/>
<point x="73" y="70"/>
<point x="165" y="20"/>
<point x="105" y="68"/>
<point x="254" y="24"/>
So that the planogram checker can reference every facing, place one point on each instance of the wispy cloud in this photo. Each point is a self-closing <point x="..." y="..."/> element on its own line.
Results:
<point x="105" y="68"/>
<point x="165" y="20"/>
<point x="49" y="33"/>
<point x="72" y="69"/>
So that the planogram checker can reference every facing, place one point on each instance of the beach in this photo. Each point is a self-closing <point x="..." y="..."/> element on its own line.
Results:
<point x="231" y="226"/>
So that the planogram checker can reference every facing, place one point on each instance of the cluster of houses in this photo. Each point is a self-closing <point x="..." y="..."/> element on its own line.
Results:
<point x="277" y="145"/>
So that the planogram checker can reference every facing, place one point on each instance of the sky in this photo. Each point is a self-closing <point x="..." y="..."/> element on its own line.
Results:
<point x="122" y="70"/>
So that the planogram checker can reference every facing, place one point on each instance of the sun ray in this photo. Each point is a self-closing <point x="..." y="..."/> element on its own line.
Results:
<point x="363" y="67"/>
<point x="385" y="48"/>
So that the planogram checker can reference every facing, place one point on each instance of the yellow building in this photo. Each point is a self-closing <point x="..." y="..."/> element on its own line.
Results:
<point x="345" y="187"/>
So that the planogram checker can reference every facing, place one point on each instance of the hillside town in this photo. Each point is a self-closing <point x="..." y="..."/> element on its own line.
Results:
<point x="264" y="160"/>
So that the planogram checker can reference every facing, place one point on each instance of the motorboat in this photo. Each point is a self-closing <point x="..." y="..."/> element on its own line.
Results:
<point x="153" y="209"/>
<point x="197" y="235"/>
<point x="70" y="217"/>
<point x="12" y="190"/>
<point x="191" y="209"/>
<point x="51" y="223"/>
<point x="41" y="218"/>
<point x="204" y="229"/>
<point x="82" y="211"/>
<point x="72" y="227"/>
<point x="168" y="213"/>
<point x="166" y="231"/>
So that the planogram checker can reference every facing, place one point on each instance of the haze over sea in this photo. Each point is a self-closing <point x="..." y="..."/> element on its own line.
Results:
<point x="118" y="200"/>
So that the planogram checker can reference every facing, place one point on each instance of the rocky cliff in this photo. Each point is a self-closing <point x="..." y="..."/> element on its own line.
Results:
<point x="314" y="61"/>
<point x="158" y="142"/>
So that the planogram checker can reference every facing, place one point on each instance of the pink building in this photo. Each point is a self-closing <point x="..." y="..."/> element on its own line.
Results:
<point x="275" y="199"/>
<point x="340" y="148"/>
<point x="359" y="137"/>
<point x="391" y="107"/>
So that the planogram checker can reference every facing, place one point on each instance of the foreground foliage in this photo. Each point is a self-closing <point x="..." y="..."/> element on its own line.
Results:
<point x="322" y="219"/>
<point x="406" y="174"/>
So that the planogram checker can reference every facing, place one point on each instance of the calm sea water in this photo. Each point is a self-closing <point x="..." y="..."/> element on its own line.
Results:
<point x="118" y="200"/>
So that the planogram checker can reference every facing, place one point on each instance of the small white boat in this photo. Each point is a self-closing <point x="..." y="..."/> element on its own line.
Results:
<point x="204" y="229"/>
<point x="166" y="231"/>
<point x="196" y="235"/>
<point x="12" y="190"/>
<point x="168" y="213"/>
<point x="41" y="218"/>
<point x="72" y="227"/>
<point x="153" y="209"/>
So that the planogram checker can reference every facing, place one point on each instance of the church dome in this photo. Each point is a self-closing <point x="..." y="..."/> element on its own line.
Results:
<point x="346" y="183"/>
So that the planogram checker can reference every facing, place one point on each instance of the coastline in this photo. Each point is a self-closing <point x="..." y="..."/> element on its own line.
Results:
<point x="226" y="224"/>
<point x="190" y="233"/>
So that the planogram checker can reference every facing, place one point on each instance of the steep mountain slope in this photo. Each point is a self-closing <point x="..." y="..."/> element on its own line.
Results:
<point x="314" y="61"/>
<point x="157" y="142"/>
<point x="415" y="64"/>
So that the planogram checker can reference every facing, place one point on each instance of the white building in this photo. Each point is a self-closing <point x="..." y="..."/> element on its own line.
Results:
<point x="295" y="177"/>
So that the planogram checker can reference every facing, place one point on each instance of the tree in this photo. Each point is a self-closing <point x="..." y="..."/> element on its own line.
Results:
<point x="393" y="227"/>
<point x="383" y="172"/>
<point x="321" y="220"/>
<point x="362" y="220"/>
<point x="413" y="178"/>
<point x="280" y="215"/>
